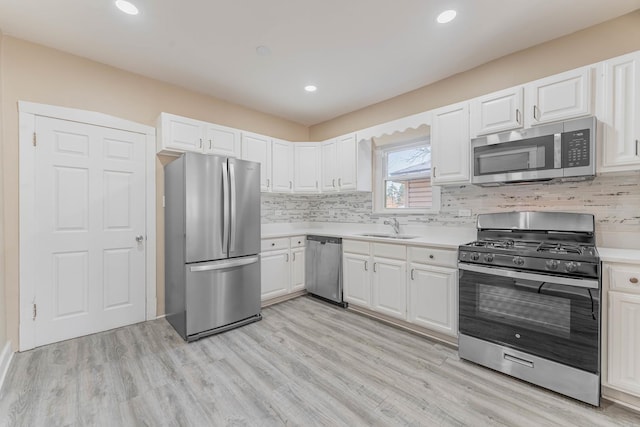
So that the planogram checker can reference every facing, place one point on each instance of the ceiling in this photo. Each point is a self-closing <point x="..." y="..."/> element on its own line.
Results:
<point x="358" y="52"/>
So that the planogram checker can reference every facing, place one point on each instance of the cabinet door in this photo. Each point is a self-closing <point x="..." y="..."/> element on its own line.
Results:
<point x="222" y="141"/>
<point x="297" y="269"/>
<point x="274" y="274"/>
<point x="497" y="112"/>
<point x="356" y="279"/>
<point x="180" y="134"/>
<point x="257" y="148"/>
<point x="624" y="342"/>
<point x="433" y="298"/>
<point x="307" y="167"/>
<point x="347" y="152"/>
<point x="558" y="97"/>
<point x="450" y="145"/>
<point x="620" y="113"/>
<point x="329" y="166"/>
<point x="389" y="287"/>
<point x="282" y="166"/>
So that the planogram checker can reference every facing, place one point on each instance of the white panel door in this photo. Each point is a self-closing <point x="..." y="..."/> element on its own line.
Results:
<point x="389" y="289"/>
<point x="329" y="166"/>
<point x="307" y="167"/>
<point x="433" y="298"/>
<point x="450" y="144"/>
<point x="274" y="272"/>
<point x="297" y="269"/>
<point x="624" y="342"/>
<point x="282" y="166"/>
<point x="257" y="148"/>
<point x="356" y="279"/>
<point x="347" y="151"/>
<point x="90" y="210"/>
<point x="222" y="141"/>
<point x="182" y="134"/>
<point x="497" y="112"/>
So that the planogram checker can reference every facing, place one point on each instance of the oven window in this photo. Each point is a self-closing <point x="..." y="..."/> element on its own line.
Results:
<point x="549" y="313"/>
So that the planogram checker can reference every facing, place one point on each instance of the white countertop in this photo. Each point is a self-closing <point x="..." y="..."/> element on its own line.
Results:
<point x="434" y="236"/>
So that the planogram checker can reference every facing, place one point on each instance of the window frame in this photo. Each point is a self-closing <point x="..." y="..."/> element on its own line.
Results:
<point x="380" y="176"/>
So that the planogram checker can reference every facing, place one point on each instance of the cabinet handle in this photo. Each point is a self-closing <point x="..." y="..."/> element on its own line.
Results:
<point x="273" y="244"/>
<point x="339" y="182"/>
<point x="294" y="256"/>
<point x="535" y="109"/>
<point x="637" y="141"/>
<point x="287" y="258"/>
<point x="634" y="280"/>
<point x="412" y="270"/>
<point x="209" y="144"/>
<point x="518" y="116"/>
<point x="268" y="183"/>
<point x="431" y="256"/>
<point x="433" y="172"/>
<point x="200" y="142"/>
<point x="333" y="182"/>
<point x="374" y="267"/>
<point x="366" y="266"/>
<point x="290" y="185"/>
<point x="299" y="242"/>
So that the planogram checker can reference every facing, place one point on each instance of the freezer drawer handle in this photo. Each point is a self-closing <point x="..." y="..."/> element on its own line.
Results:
<point x="221" y="265"/>
<point x="515" y="359"/>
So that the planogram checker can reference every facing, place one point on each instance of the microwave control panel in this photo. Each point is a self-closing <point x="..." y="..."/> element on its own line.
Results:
<point x="575" y="148"/>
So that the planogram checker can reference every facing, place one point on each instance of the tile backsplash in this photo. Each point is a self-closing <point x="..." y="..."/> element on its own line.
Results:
<point x="614" y="199"/>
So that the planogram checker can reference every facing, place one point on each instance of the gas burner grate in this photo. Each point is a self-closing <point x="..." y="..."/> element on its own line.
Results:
<point x="559" y="248"/>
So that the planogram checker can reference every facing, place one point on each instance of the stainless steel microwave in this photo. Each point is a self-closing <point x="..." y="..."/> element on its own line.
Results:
<point x="559" y="150"/>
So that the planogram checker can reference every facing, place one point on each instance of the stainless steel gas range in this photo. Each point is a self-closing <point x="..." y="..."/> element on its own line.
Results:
<point x="530" y="300"/>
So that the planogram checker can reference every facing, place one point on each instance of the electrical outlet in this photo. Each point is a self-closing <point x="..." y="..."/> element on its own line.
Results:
<point x="464" y="212"/>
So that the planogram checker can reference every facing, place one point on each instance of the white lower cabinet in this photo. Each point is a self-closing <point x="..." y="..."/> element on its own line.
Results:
<point x="621" y="282"/>
<point x="433" y="298"/>
<point x="375" y="277"/>
<point x="282" y="266"/>
<point x="389" y="290"/>
<point x="356" y="279"/>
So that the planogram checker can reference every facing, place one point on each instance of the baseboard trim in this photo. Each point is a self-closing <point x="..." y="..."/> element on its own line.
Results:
<point x="621" y="398"/>
<point x="283" y="298"/>
<point x="5" y="361"/>
<point x="162" y="316"/>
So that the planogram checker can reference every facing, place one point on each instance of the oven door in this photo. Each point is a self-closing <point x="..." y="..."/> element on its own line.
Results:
<point x="553" y="317"/>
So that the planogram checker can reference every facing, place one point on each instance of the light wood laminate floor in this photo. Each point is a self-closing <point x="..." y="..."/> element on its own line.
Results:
<point x="306" y="363"/>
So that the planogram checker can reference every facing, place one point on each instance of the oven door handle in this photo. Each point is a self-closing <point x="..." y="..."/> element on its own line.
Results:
<point x="582" y="283"/>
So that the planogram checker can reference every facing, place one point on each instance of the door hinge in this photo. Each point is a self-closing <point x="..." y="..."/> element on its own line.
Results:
<point x="34" y="139"/>
<point x="35" y="311"/>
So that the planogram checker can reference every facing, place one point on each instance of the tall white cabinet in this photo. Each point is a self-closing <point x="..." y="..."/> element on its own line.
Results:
<point x="282" y="166"/>
<point x="257" y="148"/>
<point x="307" y="167"/>
<point x="450" y="144"/>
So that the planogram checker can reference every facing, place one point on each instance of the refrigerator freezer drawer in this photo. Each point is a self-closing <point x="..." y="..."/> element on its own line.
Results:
<point x="221" y="293"/>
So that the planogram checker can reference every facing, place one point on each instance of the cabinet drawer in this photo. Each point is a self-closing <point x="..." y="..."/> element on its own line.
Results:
<point x="355" y="247"/>
<point x="447" y="258"/>
<point x="624" y="277"/>
<point x="274" y="244"/>
<point x="390" y="251"/>
<point x="297" y="241"/>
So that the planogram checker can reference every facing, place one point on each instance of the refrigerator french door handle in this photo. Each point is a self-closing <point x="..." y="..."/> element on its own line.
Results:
<point x="232" y="225"/>
<point x="225" y="209"/>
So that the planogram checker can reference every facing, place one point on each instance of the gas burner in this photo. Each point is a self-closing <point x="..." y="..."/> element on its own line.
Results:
<point x="500" y="244"/>
<point x="559" y="248"/>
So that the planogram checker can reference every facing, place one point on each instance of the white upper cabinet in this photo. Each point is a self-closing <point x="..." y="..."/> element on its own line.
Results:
<point x="559" y="97"/>
<point x="497" y="112"/>
<point x="257" y="148"/>
<point x="619" y="113"/>
<point x="177" y="135"/>
<point x="330" y="165"/>
<point x="347" y="162"/>
<point x="450" y="144"/>
<point x="282" y="166"/>
<point x="222" y="140"/>
<point x="307" y="167"/>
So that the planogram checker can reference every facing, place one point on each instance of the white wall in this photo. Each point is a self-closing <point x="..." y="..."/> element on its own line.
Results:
<point x="3" y="299"/>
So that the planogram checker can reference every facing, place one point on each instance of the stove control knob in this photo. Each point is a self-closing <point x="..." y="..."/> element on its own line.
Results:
<point x="571" y="266"/>
<point x="552" y="264"/>
<point x="518" y="260"/>
<point x="488" y="258"/>
<point x="475" y="256"/>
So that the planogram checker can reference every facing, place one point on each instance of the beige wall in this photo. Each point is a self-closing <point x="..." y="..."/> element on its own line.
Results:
<point x="609" y="39"/>
<point x="36" y="73"/>
<point x="3" y="323"/>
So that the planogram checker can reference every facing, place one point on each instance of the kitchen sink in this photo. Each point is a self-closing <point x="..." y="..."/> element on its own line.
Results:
<point x="389" y="236"/>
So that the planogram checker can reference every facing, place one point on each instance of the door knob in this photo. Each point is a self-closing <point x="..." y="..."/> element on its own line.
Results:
<point x="139" y="238"/>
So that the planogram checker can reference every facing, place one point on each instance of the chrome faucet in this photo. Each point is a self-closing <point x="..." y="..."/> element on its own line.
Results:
<point x="394" y="223"/>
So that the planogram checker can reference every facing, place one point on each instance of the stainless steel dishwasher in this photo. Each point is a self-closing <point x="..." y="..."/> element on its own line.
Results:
<point x="323" y="268"/>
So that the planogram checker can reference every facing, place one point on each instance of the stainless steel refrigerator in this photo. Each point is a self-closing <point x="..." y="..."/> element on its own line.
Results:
<point x="212" y="244"/>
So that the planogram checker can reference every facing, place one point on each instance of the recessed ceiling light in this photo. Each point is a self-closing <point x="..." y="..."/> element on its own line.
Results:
<point x="126" y="7"/>
<point x="447" y="16"/>
<point x="310" y="88"/>
<point x="263" y="50"/>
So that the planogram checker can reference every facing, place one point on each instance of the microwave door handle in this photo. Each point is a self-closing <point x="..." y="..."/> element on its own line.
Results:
<point x="557" y="150"/>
